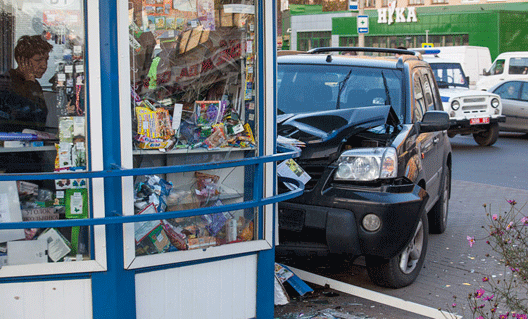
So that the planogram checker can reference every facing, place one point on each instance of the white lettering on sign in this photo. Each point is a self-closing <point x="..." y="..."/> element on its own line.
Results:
<point x="62" y="3"/>
<point x="393" y="14"/>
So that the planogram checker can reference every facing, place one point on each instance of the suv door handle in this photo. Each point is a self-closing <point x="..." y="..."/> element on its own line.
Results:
<point x="435" y="140"/>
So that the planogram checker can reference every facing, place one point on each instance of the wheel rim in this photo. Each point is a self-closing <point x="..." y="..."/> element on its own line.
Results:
<point x="411" y="255"/>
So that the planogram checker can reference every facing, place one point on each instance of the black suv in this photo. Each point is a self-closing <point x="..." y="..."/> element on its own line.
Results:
<point x="377" y="152"/>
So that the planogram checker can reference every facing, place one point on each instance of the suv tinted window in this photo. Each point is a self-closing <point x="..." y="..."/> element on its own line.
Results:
<point x="312" y="88"/>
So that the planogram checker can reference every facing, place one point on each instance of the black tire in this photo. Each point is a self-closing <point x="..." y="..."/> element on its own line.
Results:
<point x="488" y="137"/>
<point x="389" y="273"/>
<point x="438" y="214"/>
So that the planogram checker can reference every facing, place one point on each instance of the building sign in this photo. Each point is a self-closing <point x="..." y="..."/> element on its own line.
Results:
<point x="353" y="5"/>
<point x="363" y="24"/>
<point x="393" y="14"/>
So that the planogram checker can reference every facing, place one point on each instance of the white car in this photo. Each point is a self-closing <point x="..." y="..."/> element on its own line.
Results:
<point x="514" y="98"/>
<point x="470" y="111"/>
<point x="507" y="66"/>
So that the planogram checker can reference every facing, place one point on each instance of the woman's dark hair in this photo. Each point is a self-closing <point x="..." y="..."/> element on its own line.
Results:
<point x="30" y="45"/>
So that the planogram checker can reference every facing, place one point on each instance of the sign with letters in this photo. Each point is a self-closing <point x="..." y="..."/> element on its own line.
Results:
<point x="353" y="5"/>
<point x="394" y="14"/>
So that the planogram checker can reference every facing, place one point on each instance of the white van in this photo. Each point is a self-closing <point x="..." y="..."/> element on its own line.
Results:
<point x="507" y="65"/>
<point x="474" y="59"/>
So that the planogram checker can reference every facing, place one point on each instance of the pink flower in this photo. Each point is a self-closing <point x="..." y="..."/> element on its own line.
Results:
<point x="512" y="202"/>
<point x="524" y="220"/>
<point x="485" y="279"/>
<point x="471" y="241"/>
<point x="495" y="217"/>
<point x="479" y="293"/>
<point x="453" y="305"/>
<point x="504" y="316"/>
<point x="488" y="298"/>
<point x="510" y="226"/>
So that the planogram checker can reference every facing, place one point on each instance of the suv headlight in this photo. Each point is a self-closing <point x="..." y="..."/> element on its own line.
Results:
<point x="455" y="105"/>
<point x="495" y="102"/>
<point x="367" y="164"/>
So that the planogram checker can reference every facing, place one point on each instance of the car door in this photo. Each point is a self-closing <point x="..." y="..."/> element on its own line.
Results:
<point x="514" y="97"/>
<point x="430" y="151"/>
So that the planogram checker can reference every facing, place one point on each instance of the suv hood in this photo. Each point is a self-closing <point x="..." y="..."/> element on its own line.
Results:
<point x="324" y="132"/>
<point x="463" y="92"/>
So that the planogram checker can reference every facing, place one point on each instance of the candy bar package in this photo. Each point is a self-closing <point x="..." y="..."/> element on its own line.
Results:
<point x="154" y="123"/>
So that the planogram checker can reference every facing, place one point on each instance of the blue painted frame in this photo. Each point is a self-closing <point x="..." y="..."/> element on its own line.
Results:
<point x="120" y="302"/>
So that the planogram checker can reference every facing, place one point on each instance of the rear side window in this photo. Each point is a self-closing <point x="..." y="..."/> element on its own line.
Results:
<point x="524" y="92"/>
<point x="518" y="66"/>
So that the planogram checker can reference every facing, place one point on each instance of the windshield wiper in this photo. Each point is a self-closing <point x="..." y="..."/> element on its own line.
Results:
<point x="388" y="102"/>
<point x="341" y="87"/>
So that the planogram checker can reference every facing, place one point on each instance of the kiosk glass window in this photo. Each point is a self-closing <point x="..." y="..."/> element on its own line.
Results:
<point x="43" y="128"/>
<point x="193" y="87"/>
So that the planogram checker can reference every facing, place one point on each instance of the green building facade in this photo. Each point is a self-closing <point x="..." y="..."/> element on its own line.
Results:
<point x="500" y="27"/>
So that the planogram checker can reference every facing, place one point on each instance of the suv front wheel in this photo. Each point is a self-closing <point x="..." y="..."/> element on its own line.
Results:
<point x="489" y="137"/>
<point x="401" y="270"/>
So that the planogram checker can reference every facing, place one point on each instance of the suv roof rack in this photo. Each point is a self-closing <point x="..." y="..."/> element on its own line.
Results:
<point x="361" y="49"/>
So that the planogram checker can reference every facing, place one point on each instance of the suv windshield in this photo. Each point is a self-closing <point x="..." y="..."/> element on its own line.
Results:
<point x="449" y="74"/>
<point x="314" y="88"/>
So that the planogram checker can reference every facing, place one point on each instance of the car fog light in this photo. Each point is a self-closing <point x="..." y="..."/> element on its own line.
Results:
<point x="452" y="114"/>
<point x="371" y="222"/>
<point x="497" y="111"/>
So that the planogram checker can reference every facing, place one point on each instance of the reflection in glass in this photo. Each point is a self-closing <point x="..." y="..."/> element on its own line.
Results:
<point x="43" y="129"/>
<point x="192" y="71"/>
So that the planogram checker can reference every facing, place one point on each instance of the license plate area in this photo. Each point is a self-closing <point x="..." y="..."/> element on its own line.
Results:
<point x="291" y="219"/>
<point x="479" y="120"/>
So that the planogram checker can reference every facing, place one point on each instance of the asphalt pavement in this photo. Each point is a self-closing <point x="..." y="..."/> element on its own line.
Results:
<point x="452" y="267"/>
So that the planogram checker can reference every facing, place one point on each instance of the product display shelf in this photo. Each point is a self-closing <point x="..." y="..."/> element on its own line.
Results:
<point x="184" y="151"/>
<point x="27" y="149"/>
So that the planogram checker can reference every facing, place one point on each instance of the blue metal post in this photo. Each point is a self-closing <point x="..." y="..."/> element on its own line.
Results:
<point x="113" y="291"/>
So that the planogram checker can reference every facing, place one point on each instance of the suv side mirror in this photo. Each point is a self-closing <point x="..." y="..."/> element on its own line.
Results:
<point x="434" y="121"/>
<point x="485" y="72"/>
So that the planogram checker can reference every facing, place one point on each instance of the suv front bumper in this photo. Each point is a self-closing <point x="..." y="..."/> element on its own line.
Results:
<point x="464" y="126"/>
<point x="331" y="223"/>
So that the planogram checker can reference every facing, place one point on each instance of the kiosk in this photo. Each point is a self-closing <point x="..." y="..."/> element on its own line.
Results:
<point x="138" y="178"/>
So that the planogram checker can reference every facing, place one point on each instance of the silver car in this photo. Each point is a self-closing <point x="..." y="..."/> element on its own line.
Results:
<point x="514" y="96"/>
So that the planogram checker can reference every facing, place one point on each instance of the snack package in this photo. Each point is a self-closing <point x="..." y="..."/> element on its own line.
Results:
<point x="217" y="138"/>
<point x="176" y="237"/>
<point x="154" y="124"/>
